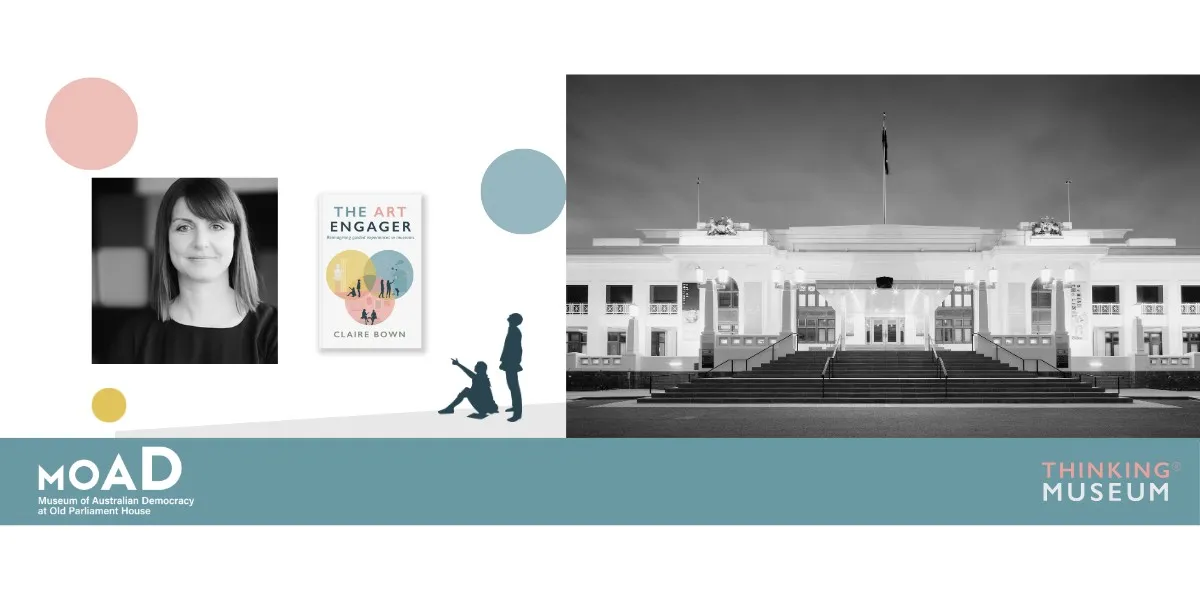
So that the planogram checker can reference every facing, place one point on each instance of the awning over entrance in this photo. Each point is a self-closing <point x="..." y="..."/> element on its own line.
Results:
<point x="913" y="297"/>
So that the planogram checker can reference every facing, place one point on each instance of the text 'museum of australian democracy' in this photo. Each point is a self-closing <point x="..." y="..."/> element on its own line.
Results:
<point x="112" y="505"/>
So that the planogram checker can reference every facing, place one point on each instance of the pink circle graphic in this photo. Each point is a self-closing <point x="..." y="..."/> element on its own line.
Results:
<point x="91" y="123"/>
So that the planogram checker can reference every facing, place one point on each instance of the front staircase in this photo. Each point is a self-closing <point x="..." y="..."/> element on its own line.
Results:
<point x="889" y="376"/>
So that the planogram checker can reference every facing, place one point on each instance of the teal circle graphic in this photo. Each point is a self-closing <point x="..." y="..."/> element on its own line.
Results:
<point x="523" y="191"/>
<point x="395" y="267"/>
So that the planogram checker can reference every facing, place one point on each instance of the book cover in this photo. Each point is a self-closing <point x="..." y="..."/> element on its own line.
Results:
<point x="370" y="261"/>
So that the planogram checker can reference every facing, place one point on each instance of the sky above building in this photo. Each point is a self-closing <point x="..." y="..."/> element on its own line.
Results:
<point x="984" y="151"/>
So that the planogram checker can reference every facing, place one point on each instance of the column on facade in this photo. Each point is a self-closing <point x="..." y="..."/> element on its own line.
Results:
<point x="710" y="307"/>
<point x="1135" y="344"/>
<point x="631" y="337"/>
<point x="1060" y="309"/>
<point x="841" y="315"/>
<point x="786" y="311"/>
<point x="930" y="320"/>
<point x="984" y="326"/>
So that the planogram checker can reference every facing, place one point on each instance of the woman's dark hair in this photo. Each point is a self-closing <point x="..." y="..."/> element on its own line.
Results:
<point x="214" y="200"/>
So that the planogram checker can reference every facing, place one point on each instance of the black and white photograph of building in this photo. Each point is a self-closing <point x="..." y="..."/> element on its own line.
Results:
<point x="882" y="256"/>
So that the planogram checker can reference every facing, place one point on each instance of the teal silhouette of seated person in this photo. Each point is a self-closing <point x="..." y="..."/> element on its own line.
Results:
<point x="479" y="394"/>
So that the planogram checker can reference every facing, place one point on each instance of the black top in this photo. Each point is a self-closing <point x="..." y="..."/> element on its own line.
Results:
<point x="146" y="339"/>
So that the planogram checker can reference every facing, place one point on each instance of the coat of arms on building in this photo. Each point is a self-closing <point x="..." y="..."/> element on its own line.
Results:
<point x="691" y="316"/>
<point x="722" y="226"/>
<point x="1047" y="226"/>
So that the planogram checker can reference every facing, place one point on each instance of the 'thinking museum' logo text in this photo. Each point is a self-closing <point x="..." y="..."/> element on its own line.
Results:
<point x="1107" y="481"/>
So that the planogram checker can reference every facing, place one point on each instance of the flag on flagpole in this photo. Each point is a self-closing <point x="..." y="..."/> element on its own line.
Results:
<point x="885" y="157"/>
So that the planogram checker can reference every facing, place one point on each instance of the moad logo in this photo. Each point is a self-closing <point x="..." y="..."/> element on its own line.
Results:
<point x="118" y="474"/>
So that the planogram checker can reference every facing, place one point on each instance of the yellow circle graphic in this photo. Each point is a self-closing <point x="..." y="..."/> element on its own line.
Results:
<point x="108" y="405"/>
<point x="349" y="269"/>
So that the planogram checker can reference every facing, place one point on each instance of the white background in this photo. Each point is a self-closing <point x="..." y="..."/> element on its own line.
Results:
<point x="366" y="104"/>
<point x="421" y="96"/>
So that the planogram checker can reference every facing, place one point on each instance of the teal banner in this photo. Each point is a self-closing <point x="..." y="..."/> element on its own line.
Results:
<point x="599" y="482"/>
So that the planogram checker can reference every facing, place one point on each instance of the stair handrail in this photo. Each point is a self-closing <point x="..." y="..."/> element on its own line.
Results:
<point x="832" y="360"/>
<point x="999" y="347"/>
<point x="945" y="379"/>
<point x="730" y="360"/>
<point x="1064" y="374"/>
<point x="771" y="348"/>
<point x="1096" y="378"/>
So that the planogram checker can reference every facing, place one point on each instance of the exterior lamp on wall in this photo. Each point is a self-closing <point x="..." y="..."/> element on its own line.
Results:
<point x="969" y="276"/>
<point x="1045" y="274"/>
<point x="634" y="311"/>
<point x="798" y="276"/>
<point x="701" y="277"/>
<point x="993" y="277"/>
<point x="777" y="277"/>
<point x="722" y="276"/>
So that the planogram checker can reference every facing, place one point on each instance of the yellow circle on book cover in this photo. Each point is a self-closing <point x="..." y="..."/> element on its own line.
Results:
<point x="347" y="269"/>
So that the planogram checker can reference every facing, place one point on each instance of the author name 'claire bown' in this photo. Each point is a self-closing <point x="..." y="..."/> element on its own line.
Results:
<point x="368" y="334"/>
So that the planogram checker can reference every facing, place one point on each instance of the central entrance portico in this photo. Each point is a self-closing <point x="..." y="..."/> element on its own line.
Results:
<point x="887" y="317"/>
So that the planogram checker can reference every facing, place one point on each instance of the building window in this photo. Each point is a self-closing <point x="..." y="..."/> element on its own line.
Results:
<point x="1191" y="342"/>
<point x="814" y="330"/>
<point x="1040" y="315"/>
<point x="577" y="341"/>
<point x="1112" y="343"/>
<point x="1149" y="294"/>
<point x="1106" y="294"/>
<point x="961" y="296"/>
<point x="619" y="294"/>
<point x="577" y="299"/>
<point x="1152" y="342"/>
<point x="953" y="331"/>
<point x="577" y="294"/>
<point x="664" y="294"/>
<point x="658" y="343"/>
<point x="807" y="296"/>
<point x="616" y="343"/>
<point x="1189" y="294"/>
<point x="664" y="299"/>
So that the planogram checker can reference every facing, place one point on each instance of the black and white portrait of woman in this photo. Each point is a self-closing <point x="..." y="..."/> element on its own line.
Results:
<point x="203" y="301"/>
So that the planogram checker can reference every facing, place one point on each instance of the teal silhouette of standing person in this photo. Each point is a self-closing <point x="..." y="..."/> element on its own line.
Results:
<point x="510" y="363"/>
<point x="479" y="394"/>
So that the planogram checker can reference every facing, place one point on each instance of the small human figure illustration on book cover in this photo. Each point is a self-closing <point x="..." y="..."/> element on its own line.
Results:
<point x="370" y="286"/>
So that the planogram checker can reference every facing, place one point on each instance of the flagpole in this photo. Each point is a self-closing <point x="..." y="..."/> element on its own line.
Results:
<point x="697" y="200"/>
<point x="885" y="168"/>
<point x="1068" y="200"/>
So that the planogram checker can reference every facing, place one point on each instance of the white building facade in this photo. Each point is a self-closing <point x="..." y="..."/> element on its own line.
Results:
<point x="693" y="299"/>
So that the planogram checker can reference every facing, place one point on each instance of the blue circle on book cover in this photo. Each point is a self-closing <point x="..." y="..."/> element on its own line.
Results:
<point x="394" y="267"/>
